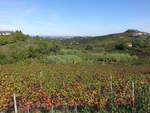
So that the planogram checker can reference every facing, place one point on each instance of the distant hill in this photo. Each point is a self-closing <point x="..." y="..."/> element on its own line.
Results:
<point x="128" y="35"/>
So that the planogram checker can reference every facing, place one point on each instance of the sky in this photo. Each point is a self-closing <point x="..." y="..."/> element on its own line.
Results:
<point x="74" y="17"/>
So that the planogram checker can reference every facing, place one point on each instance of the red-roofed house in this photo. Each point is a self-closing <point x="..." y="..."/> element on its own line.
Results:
<point x="6" y="32"/>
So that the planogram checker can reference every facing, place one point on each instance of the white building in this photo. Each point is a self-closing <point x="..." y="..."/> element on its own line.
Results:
<point x="6" y="32"/>
<point x="137" y="34"/>
<point x="129" y="44"/>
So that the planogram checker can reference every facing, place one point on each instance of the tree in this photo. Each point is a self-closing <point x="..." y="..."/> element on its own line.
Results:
<point x="147" y="42"/>
<point x="89" y="47"/>
<point x="55" y="48"/>
<point x="121" y="46"/>
<point x="18" y="35"/>
<point x="138" y="43"/>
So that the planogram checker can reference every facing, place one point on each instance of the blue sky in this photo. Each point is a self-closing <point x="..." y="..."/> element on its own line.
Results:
<point x="74" y="17"/>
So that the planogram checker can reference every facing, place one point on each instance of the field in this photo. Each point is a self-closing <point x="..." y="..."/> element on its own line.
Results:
<point x="80" y="75"/>
<point x="84" y="88"/>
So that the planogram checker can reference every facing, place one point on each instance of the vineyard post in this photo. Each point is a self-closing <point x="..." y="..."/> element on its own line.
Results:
<point x="111" y="87"/>
<point x="100" y="90"/>
<point x="41" y="74"/>
<point x="133" y="97"/>
<point x="28" y="110"/>
<point x="15" y="103"/>
<point x="75" y="109"/>
<point x="148" y="92"/>
<point x="66" y="108"/>
<point x="52" y="109"/>
<point x="111" y="92"/>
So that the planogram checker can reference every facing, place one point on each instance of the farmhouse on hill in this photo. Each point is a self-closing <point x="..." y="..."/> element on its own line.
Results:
<point x="6" y="32"/>
<point x="129" y="44"/>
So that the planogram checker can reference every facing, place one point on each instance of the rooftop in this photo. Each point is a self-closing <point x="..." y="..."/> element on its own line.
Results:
<point x="6" y="31"/>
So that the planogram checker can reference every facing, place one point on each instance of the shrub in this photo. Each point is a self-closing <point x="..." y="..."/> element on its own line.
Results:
<point x="117" y="57"/>
<point x="89" y="47"/>
<point x="62" y="59"/>
<point x="147" y="42"/>
<point x="138" y="43"/>
<point x="70" y="51"/>
<point x="30" y="48"/>
<point x="55" y="48"/>
<point x="121" y="46"/>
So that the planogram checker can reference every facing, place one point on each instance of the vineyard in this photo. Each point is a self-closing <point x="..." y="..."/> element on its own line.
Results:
<point x="74" y="56"/>
<point x="79" y="88"/>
